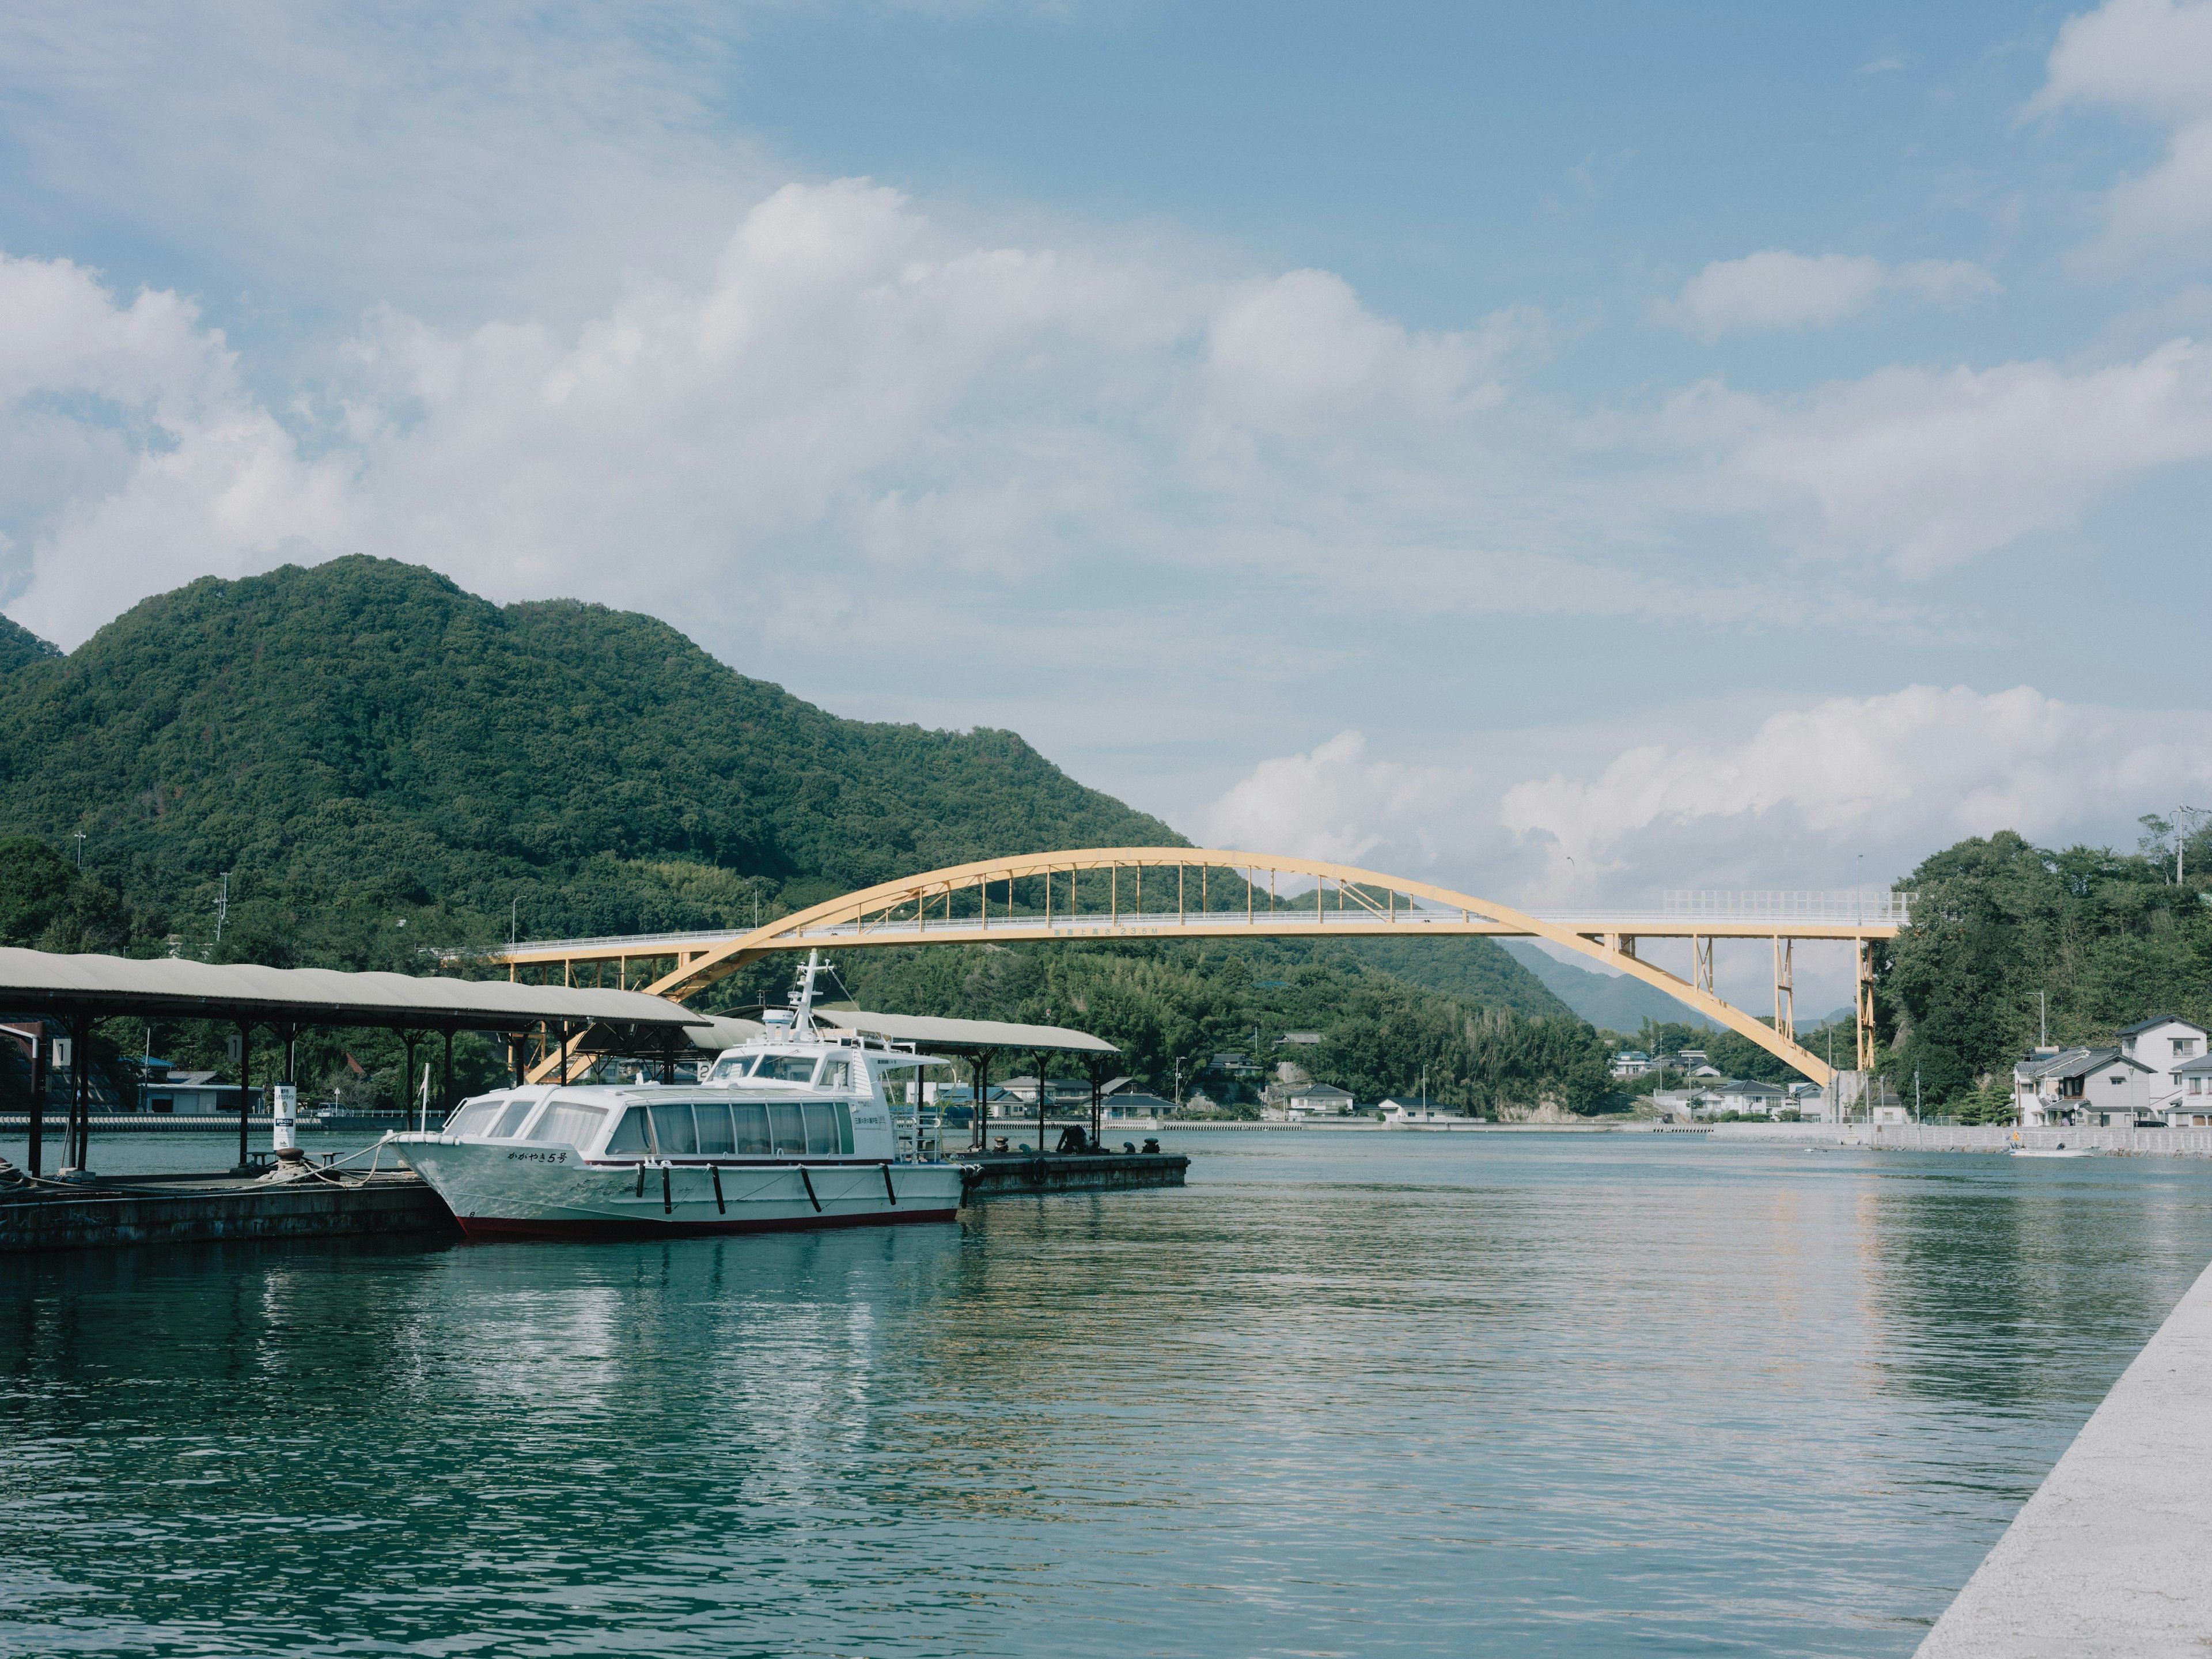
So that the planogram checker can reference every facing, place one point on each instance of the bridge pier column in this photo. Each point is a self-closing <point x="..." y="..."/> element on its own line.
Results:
<point x="1866" y="1007"/>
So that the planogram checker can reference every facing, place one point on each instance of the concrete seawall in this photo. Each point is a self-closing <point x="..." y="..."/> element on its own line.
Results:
<point x="2113" y="1553"/>
<point x="1978" y="1138"/>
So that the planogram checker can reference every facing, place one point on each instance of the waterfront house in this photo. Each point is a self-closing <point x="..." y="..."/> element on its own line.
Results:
<point x="2079" y="1086"/>
<point x="1317" y="1100"/>
<point x="2191" y="1108"/>
<point x="1751" y="1096"/>
<point x="2163" y="1045"/>
<point x="1630" y="1062"/>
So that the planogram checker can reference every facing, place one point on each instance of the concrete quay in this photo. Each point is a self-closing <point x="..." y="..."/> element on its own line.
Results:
<point x="198" y="1209"/>
<point x="191" y="1209"/>
<point x="1001" y="1175"/>
<point x="2113" y="1553"/>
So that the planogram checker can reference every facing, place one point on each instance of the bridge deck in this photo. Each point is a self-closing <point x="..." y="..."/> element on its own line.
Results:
<point x="1200" y="924"/>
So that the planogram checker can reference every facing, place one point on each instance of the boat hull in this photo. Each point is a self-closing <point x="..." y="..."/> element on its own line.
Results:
<point x="497" y="1190"/>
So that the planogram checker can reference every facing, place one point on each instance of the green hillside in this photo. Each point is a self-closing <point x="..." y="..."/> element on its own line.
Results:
<point x="2003" y="929"/>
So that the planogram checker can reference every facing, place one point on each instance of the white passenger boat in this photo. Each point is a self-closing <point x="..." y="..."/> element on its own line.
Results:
<point x="794" y="1129"/>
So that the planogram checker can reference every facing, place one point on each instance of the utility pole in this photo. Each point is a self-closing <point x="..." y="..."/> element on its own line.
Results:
<point x="1916" y="1094"/>
<point x="2043" y="1020"/>
<point x="222" y="906"/>
<point x="80" y="849"/>
<point x="513" y="910"/>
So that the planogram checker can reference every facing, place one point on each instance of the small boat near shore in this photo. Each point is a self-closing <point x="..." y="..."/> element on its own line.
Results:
<point x="792" y="1130"/>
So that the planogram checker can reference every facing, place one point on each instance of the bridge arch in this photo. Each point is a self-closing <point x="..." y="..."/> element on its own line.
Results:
<point x="900" y="912"/>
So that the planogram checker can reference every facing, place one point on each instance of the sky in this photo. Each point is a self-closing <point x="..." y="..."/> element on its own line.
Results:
<point x="1562" y="452"/>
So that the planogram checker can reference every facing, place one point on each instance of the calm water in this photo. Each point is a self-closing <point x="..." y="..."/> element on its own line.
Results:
<point x="1343" y="1395"/>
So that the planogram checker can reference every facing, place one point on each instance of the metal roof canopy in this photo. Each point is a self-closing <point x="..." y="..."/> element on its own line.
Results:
<point x="39" y="982"/>
<point x="965" y="1033"/>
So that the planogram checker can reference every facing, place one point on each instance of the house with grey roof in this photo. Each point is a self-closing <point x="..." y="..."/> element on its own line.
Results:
<point x="2080" y="1085"/>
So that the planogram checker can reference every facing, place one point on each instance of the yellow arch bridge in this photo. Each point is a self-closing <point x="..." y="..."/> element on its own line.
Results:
<point x="1185" y="892"/>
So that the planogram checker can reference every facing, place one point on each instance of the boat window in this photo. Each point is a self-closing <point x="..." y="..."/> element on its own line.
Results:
<point x="471" y="1118"/>
<point x="821" y="1128"/>
<point x="673" y="1135"/>
<point x="629" y="1133"/>
<point x="787" y="1068"/>
<point x="713" y="1120"/>
<point x="752" y="1130"/>
<point x="728" y="1071"/>
<point x="569" y="1122"/>
<point x="845" y="1127"/>
<point x="836" y="1074"/>
<point x="786" y="1126"/>
<point x="511" y="1119"/>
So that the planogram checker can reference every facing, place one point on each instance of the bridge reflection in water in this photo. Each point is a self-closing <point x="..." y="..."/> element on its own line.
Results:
<point x="1188" y="892"/>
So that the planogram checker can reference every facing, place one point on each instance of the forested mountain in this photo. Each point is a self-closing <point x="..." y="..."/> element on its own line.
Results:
<point x="363" y="742"/>
<point x="1999" y="925"/>
<point x="379" y="763"/>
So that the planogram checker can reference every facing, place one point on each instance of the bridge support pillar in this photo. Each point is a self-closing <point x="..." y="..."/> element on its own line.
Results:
<point x="1785" y="989"/>
<point x="1866" y="1006"/>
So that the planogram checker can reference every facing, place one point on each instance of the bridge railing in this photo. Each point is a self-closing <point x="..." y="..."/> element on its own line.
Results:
<point x="1859" y="906"/>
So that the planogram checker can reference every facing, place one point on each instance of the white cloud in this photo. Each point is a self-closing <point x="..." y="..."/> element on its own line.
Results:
<point x="128" y="446"/>
<point x="1777" y="289"/>
<point x="1336" y="804"/>
<point x="1895" y="775"/>
<point x="858" y="416"/>
<point x="1785" y="799"/>
<point x="2152" y="59"/>
<point x="1927" y="469"/>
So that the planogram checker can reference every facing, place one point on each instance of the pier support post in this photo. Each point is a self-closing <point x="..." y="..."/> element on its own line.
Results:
<point x="244" y="1089"/>
<point x="982" y="1058"/>
<point x="445" y="1083"/>
<point x="1042" y="1147"/>
<point x="34" y="1129"/>
<point x="80" y="1136"/>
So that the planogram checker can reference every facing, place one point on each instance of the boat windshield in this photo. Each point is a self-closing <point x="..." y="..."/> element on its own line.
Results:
<point x="568" y="1121"/>
<point x="785" y="1068"/>
<point x="821" y="1129"/>
<point x="471" y="1118"/>
<point x="726" y="1071"/>
<point x="510" y="1120"/>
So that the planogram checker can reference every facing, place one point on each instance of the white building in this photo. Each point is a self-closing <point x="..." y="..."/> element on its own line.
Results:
<point x="2191" y="1109"/>
<point x="2162" y="1046"/>
<point x="1419" y="1111"/>
<point x="1751" y="1096"/>
<point x="190" y="1093"/>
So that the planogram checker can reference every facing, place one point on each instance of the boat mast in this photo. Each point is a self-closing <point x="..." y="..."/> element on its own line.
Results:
<point x="802" y="1022"/>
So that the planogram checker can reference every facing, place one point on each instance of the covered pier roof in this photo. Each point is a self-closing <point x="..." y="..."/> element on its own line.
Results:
<point x="936" y="1033"/>
<point x="39" y="982"/>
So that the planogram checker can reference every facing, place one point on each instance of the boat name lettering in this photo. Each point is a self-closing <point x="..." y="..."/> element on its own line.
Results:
<point x="537" y="1158"/>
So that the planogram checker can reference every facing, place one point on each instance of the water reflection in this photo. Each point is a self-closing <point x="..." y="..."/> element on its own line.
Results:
<point x="1528" y="1395"/>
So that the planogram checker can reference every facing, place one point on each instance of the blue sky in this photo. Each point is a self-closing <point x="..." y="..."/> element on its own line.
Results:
<point x="1566" y="452"/>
